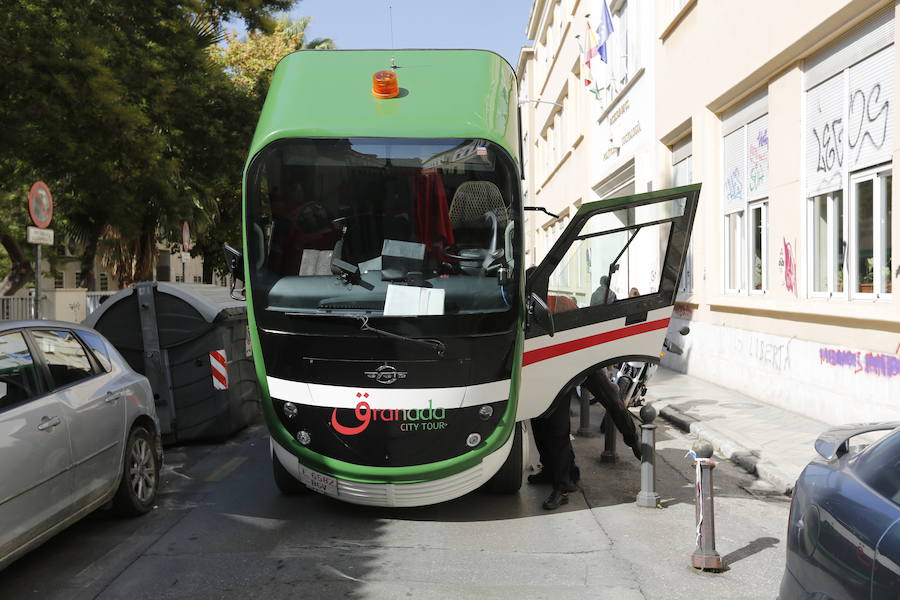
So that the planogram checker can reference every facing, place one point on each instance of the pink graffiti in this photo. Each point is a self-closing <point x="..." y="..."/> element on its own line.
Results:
<point x="883" y="365"/>
<point x="790" y="268"/>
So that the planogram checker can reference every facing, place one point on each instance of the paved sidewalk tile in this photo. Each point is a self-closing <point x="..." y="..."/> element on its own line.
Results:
<point x="774" y="443"/>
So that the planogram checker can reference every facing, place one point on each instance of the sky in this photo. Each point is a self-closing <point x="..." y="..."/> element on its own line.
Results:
<point x="497" y="25"/>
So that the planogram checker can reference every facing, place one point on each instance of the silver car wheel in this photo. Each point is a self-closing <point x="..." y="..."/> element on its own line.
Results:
<point x="142" y="470"/>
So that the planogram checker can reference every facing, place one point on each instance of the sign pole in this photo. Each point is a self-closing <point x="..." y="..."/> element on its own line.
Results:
<point x="37" y="282"/>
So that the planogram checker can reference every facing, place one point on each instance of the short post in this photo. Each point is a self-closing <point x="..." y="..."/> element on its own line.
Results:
<point x="705" y="556"/>
<point x="584" y="417"/>
<point x="609" y="440"/>
<point x="647" y="497"/>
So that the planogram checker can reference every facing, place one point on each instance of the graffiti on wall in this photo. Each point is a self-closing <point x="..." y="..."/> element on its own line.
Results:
<point x="734" y="188"/>
<point x="831" y="145"/>
<point x="868" y="119"/>
<point x="787" y="262"/>
<point x="758" y="160"/>
<point x="882" y="365"/>
<point x="773" y="355"/>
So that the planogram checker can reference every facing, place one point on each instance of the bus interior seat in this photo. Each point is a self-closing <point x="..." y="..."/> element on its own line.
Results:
<point x="471" y="202"/>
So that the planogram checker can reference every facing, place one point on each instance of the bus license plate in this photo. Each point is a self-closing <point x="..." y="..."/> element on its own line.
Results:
<point x="318" y="482"/>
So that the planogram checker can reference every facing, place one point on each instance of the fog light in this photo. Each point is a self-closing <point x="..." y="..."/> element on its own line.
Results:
<point x="289" y="409"/>
<point x="473" y="440"/>
<point x="485" y="412"/>
<point x="303" y="437"/>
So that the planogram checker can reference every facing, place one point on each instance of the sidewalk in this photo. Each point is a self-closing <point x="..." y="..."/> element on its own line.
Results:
<point x="770" y="442"/>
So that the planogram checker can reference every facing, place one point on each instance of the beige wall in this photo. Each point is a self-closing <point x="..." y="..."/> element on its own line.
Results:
<point x="711" y="60"/>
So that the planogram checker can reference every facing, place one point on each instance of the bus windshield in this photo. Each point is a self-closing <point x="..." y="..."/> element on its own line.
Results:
<point x="383" y="227"/>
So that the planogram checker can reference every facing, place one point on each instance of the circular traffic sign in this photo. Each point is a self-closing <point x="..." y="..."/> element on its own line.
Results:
<point x="40" y="204"/>
<point x="185" y="236"/>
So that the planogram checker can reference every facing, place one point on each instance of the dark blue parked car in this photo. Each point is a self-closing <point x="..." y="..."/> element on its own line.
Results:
<point x="844" y="525"/>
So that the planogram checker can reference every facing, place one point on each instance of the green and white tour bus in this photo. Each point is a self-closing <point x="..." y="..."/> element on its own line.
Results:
<point x="399" y="348"/>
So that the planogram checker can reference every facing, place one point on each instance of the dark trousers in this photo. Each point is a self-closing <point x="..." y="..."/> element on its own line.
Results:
<point x="607" y="394"/>
<point x="551" y="436"/>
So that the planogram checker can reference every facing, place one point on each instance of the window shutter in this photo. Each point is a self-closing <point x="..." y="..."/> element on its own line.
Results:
<point x="825" y="136"/>
<point x="734" y="151"/>
<point x="758" y="158"/>
<point x="869" y="118"/>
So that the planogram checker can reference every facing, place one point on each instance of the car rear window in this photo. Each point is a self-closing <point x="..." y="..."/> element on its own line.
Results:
<point x="879" y="467"/>
<point x="98" y="347"/>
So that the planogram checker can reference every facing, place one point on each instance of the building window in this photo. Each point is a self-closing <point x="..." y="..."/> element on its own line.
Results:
<point x="59" y="280"/>
<point x="682" y="175"/>
<point x="198" y="279"/>
<point x="870" y="230"/>
<point x="77" y="278"/>
<point x="827" y="243"/>
<point x="179" y="279"/>
<point x="104" y="282"/>
<point x="746" y="175"/>
<point x="758" y="256"/>
<point x="849" y="148"/>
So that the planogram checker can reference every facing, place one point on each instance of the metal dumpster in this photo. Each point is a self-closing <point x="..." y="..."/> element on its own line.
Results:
<point x="191" y="342"/>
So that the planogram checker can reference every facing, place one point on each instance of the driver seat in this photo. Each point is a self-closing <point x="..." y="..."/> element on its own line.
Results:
<point x="477" y="213"/>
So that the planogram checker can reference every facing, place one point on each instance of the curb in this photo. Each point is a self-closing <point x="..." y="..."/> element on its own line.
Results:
<point x="731" y="450"/>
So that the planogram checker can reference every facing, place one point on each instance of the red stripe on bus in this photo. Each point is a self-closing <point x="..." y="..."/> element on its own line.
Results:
<point x="539" y="354"/>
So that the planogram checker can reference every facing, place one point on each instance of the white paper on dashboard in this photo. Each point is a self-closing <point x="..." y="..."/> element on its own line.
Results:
<point x="409" y="301"/>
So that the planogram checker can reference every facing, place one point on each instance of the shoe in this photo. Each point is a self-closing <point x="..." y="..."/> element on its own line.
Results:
<point x="556" y="499"/>
<point x="540" y="477"/>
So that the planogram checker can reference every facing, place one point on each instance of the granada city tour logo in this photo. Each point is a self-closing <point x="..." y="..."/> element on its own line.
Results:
<point x="410" y="419"/>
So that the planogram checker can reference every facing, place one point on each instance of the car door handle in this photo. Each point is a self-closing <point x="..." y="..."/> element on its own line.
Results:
<point x="113" y="396"/>
<point x="48" y="423"/>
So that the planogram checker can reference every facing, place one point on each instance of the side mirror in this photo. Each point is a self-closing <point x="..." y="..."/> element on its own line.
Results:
<point x="540" y="313"/>
<point x="235" y="262"/>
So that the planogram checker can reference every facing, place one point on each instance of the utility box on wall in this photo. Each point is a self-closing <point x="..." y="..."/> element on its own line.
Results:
<point x="190" y="341"/>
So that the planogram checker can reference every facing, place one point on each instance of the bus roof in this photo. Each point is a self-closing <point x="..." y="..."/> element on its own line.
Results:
<point x="443" y="94"/>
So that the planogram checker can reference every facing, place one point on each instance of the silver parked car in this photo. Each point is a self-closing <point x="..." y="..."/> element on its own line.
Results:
<point x="78" y="430"/>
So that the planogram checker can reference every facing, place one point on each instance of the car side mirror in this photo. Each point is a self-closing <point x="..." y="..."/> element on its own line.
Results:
<point x="540" y="313"/>
<point x="234" y="260"/>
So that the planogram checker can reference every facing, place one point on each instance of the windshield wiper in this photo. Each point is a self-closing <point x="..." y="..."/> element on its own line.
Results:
<point x="437" y="345"/>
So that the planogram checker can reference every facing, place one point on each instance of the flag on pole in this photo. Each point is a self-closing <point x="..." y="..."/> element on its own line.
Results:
<point x="603" y="30"/>
<point x="592" y="46"/>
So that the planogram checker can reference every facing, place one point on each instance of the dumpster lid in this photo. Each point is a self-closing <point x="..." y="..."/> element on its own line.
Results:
<point x="207" y="299"/>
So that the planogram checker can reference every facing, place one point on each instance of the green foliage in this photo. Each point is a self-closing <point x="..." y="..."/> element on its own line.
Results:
<point x="119" y="108"/>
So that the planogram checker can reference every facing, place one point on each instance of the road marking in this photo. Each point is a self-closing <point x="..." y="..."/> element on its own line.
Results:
<point x="225" y="470"/>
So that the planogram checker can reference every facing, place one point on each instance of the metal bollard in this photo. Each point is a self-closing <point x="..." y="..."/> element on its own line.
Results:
<point x="609" y="440"/>
<point x="584" y="417"/>
<point x="705" y="556"/>
<point x="648" y="497"/>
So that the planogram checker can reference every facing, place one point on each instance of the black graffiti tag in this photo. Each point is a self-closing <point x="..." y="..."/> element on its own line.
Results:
<point x="830" y="146"/>
<point x="864" y="119"/>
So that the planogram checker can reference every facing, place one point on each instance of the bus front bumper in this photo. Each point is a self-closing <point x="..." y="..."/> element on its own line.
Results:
<point x="395" y="494"/>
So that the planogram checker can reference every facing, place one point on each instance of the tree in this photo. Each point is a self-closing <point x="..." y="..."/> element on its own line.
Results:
<point x="250" y="61"/>
<point x="118" y="107"/>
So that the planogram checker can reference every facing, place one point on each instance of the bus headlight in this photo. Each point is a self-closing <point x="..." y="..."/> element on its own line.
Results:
<point x="473" y="440"/>
<point x="485" y="412"/>
<point x="289" y="409"/>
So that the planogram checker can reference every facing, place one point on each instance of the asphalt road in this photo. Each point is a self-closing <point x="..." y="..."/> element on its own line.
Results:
<point x="222" y="530"/>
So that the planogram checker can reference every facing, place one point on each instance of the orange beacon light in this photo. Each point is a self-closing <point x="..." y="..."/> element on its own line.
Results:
<point x="384" y="84"/>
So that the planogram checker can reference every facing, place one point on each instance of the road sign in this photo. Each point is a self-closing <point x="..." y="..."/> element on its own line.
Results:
<point x="40" y="204"/>
<point x="185" y="236"/>
<point x="35" y="235"/>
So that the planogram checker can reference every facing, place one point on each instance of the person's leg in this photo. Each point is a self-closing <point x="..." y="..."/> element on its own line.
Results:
<point x="608" y="395"/>
<point x="560" y="453"/>
<point x="539" y="430"/>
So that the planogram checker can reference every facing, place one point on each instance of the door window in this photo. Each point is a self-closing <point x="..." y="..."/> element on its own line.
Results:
<point x="613" y="256"/>
<point x="66" y="358"/>
<point x="98" y="347"/>
<point x="18" y="377"/>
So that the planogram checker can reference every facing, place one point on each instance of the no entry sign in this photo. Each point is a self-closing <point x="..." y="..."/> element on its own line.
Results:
<point x="40" y="204"/>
